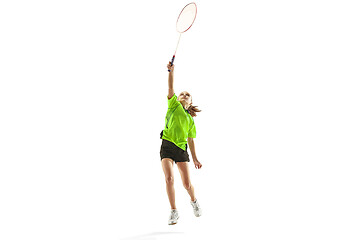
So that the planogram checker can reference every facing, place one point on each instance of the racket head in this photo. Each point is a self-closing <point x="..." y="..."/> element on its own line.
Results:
<point x="186" y="17"/>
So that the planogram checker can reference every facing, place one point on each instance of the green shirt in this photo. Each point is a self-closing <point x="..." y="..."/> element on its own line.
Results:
<point x="179" y="124"/>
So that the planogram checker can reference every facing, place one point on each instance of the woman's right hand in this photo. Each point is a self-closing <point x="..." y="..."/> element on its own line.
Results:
<point x="170" y="67"/>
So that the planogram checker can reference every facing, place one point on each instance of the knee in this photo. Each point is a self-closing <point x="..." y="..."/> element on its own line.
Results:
<point x="187" y="185"/>
<point x="169" y="180"/>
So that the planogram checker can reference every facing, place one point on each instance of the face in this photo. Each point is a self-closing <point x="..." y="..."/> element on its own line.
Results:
<point x="185" y="97"/>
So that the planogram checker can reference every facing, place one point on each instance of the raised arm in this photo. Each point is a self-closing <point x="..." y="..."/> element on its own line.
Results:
<point x="171" y="80"/>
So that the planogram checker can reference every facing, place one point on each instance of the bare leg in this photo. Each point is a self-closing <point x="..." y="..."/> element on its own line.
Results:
<point x="167" y="165"/>
<point x="185" y="177"/>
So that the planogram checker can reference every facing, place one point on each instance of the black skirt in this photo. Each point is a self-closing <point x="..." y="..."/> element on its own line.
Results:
<point x="170" y="150"/>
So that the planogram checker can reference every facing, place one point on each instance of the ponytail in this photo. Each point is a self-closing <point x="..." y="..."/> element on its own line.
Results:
<point x="193" y="110"/>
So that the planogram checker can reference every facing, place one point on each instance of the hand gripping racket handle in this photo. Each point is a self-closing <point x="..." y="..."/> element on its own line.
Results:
<point x="172" y="62"/>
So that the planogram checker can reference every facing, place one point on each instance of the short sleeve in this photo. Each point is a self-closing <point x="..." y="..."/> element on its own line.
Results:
<point x="172" y="102"/>
<point x="192" y="130"/>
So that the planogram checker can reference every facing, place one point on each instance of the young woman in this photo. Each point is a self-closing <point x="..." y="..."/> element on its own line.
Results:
<point x="179" y="130"/>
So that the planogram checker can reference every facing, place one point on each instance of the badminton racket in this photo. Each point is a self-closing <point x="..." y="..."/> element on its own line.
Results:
<point x="184" y="22"/>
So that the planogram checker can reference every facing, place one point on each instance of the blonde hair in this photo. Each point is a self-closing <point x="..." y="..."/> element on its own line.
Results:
<point x="192" y="109"/>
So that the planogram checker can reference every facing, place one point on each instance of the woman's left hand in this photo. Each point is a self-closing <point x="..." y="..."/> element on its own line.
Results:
<point x="198" y="165"/>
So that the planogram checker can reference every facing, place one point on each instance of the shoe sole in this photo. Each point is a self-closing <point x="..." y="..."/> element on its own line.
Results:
<point x="198" y="214"/>
<point x="174" y="222"/>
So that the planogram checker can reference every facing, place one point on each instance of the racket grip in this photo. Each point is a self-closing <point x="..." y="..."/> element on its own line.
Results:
<point x="172" y="62"/>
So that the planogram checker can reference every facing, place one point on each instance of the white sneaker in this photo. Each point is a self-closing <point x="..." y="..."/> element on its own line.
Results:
<point x="196" y="207"/>
<point x="174" y="216"/>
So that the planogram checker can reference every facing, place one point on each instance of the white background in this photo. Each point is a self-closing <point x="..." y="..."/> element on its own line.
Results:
<point x="83" y="88"/>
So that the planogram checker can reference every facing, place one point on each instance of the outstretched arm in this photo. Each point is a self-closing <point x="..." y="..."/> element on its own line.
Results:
<point x="171" y="80"/>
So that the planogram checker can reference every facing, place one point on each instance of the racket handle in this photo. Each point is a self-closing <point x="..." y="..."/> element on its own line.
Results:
<point x="172" y="62"/>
